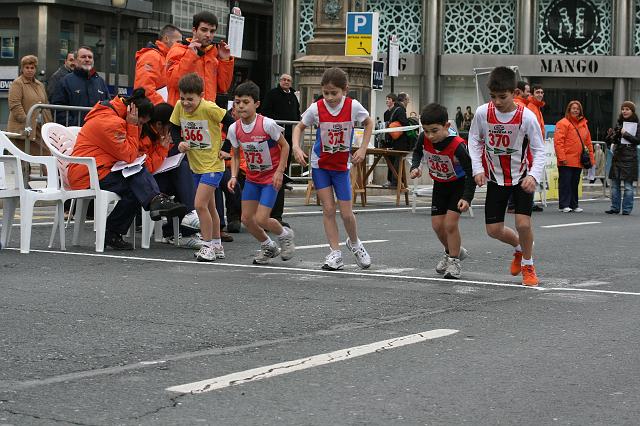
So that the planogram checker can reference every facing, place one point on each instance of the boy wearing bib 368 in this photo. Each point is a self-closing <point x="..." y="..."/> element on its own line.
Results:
<point x="498" y="149"/>
<point x="449" y="165"/>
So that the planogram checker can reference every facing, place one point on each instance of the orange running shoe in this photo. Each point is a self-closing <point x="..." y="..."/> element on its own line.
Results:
<point x="529" y="277"/>
<point x="515" y="263"/>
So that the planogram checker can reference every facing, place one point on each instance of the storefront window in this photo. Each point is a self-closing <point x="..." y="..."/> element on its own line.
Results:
<point x="479" y="26"/>
<point x="575" y="27"/>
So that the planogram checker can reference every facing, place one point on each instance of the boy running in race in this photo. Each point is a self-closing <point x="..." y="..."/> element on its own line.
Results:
<point x="498" y="149"/>
<point x="266" y="152"/>
<point x="449" y="166"/>
<point x="334" y="115"/>
<point x="199" y="121"/>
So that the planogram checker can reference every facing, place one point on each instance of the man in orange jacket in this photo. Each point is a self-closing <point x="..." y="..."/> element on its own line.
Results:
<point x="213" y="63"/>
<point x="536" y="103"/>
<point x="151" y="64"/>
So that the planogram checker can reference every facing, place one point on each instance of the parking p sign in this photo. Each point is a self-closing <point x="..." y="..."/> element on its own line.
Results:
<point x="362" y="34"/>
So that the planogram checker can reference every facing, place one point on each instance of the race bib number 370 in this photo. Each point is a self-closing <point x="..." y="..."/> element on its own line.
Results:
<point x="196" y="133"/>
<point x="335" y="137"/>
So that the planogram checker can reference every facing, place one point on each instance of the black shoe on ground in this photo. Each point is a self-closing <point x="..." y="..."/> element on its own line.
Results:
<point x="537" y="208"/>
<point x="225" y="238"/>
<point x="162" y="205"/>
<point x="626" y="213"/>
<point x="116" y="242"/>
<point x="611" y="212"/>
<point x="234" y="226"/>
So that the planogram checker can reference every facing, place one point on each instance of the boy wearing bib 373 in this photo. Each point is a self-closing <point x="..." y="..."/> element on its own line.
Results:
<point x="501" y="134"/>
<point x="449" y="165"/>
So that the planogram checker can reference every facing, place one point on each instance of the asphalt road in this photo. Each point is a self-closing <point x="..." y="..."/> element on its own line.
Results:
<point x="94" y="339"/>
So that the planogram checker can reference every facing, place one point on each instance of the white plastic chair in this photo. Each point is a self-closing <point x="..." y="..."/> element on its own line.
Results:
<point x="10" y="196"/>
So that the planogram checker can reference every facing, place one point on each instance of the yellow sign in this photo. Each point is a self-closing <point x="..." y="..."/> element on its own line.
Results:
<point x="359" y="45"/>
<point x="362" y="34"/>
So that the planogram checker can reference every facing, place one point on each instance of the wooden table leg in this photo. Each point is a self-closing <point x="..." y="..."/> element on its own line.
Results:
<point x="400" y="183"/>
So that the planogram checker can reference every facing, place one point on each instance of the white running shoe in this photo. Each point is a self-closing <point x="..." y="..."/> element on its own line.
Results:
<point x="219" y="251"/>
<point x="362" y="257"/>
<point x="566" y="210"/>
<point x="463" y="253"/>
<point x="205" y="254"/>
<point x="454" y="269"/>
<point x="265" y="253"/>
<point x="287" y="246"/>
<point x="190" y="220"/>
<point x="442" y="264"/>
<point x="578" y="210"/>
<point x="191" y="242"/>
<point x="333" y="261"/>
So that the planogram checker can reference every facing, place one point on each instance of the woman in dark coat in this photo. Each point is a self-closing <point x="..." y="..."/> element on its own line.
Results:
<point x="624" y="167"/>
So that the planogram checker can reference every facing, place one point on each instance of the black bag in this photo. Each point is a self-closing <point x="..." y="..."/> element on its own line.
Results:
<point x="585" y="158"/>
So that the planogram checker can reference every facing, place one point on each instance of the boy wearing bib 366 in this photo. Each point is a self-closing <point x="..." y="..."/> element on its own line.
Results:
<point x="266" y="152"/>
<point x="449" y="165"/>
<point x="498" y="149"/>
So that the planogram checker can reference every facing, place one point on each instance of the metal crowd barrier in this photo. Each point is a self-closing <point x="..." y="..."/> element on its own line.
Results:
<point x="38" y="108"/>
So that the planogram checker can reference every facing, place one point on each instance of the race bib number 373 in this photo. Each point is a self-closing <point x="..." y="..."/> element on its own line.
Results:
<point x="196" y="133"/>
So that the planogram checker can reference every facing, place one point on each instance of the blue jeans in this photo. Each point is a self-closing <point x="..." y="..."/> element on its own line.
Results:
<point x="627" y="199"/>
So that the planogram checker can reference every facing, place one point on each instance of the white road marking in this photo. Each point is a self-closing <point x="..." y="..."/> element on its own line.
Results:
<point x="562" y="225"/>
<point x="304" y="363"/>
<point x="327" y="245"/>
<point x="344" y="273"/>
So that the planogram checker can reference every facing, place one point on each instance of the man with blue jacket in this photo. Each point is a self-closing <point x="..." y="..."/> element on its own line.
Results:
<point x="82" y="87"/>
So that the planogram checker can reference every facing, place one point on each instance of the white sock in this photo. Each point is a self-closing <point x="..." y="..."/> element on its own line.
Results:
<point x="208" y="243"/>
<point x="217" y="242"/>
<point x="356" y="244"/>
<point x="518" y="248"/>
<point x="266" y="243"/>
<point x="339" y="252"/>
<point x="526" y="262"/>
<point x="284" y="233"/>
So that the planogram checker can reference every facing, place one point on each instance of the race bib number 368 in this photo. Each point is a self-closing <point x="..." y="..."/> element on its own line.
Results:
<point x="196" y="133"/>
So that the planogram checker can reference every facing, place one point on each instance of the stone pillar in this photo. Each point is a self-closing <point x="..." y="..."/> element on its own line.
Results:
<point x="288" y="37"/>
<point x="525" y="27"/>
<point x="326" y="50"/>
<point x="432" y="22"/>
<point x="623" y="16"/>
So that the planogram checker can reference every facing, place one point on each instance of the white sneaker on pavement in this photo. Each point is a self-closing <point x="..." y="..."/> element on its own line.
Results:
<point x="442" y="264"/>
<point x="205" y="254"/>
<point x="191" y="242"/>
<point x="190" y="220"/>
<point x="362" y="257"/>
<point x="265" y="253"/>
<point x="287" y="245"/>
<point x="219" y="251"/>
<point x="333" y="261"/>
<point x="578" y="210"/>
<point x="454" y="269"/>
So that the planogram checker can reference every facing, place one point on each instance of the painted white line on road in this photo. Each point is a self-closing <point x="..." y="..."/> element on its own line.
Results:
<point x="327" y="245"/>
<point x="563" y="225"/>
<point x="273" y="370"/>
<point x="290" y="269"/>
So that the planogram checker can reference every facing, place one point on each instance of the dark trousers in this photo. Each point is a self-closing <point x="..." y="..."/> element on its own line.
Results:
<point x="232" y="200"/>
<point x="278" y="207"/>
<point x="568" y="180"/>
<point x="136" y="190"/>
<point x="179" y="183"/>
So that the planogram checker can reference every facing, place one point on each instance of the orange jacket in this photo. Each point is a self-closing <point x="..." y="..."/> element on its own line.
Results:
<point x="151" y="70"/>
<point x="156" y="153"/>
<point x="217" y="74"/>
<point x="535" y="106"/>
<point x="567" y="143"/>
<point x="107" y="137"/>
<point x="519" y="100"/>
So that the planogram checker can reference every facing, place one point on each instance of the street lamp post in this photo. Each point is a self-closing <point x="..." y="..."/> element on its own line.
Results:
<point x="119" y="5"/>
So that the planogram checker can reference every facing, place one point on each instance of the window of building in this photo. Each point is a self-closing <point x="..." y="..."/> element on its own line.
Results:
<point x="574" y="27"/>
<point x="479" y="26"/>
<point x="68" y="37"/>
<point x="305" y="26"/>
<point x="636" y="32"/>
<point x="183" y="11"/>
<point x="9" y="39"/>
<point x="402" y="18"/>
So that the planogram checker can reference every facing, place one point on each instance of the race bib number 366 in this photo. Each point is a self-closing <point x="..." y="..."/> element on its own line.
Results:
<point x="196" y="133"/>
<point x="335" y="137"/>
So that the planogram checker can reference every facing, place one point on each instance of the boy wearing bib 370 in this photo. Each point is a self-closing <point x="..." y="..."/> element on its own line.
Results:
<point x="498" y="149"/>
<point x="449" y="165"/>
<point x="265" y="152"/>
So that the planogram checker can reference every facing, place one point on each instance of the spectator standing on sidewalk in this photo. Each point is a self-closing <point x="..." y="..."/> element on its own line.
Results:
<point x="396" y="114"/>
<point x="67" y="67"/>
<point x="281" y="103"/>
<point x="535" y="104"/>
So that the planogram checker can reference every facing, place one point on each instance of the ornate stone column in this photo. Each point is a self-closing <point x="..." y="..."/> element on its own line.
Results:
<point x="623" y="15"/>
<point x="326" y="50"/>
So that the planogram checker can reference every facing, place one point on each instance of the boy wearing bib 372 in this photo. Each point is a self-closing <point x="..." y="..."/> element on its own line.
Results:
<point x="449" y="165"/>
<point x="501" y="134"/>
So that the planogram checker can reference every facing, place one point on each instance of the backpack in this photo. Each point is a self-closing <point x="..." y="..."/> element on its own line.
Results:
<point x="412" y="135"/>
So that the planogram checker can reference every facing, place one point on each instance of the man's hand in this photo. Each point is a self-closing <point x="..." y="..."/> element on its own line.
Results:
<point x="183" y="146"/>
<point x="300" y="156"/>
<point x="463" y="205"/>
<point x="132" y="114"/>
<point x="359" y="155"/>
<point x="415" y="173"/>
<point x="223" y="155"/>
<point x="194" y="46"/>
<point x="277" y="180"/>
<point x="224" y="52"/>
<point x="528" y="184"/>
<point x="231" y="185"/>
<point x="480" y="179"/>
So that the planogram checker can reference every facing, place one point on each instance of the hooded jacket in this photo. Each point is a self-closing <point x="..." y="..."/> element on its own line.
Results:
<point x="217" y="74"/>
<point x="107" y="137"/>
<point x="151" y="71"/>
<point x="567" y="143"/>
<point x="536" y="106"/>
<point x="624" y="165"/>
<point x="79" y="88"/>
